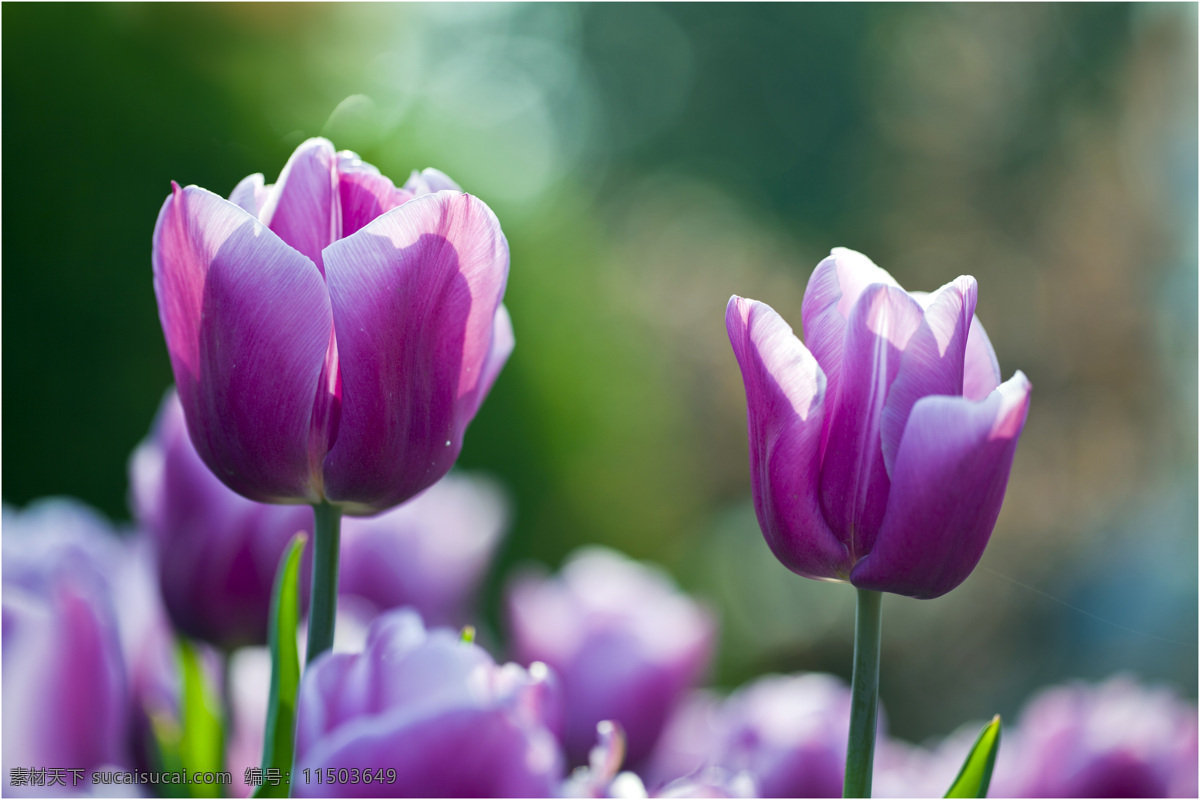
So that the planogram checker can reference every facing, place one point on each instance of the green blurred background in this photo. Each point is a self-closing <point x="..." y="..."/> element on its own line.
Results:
<point x="646" y="162"/>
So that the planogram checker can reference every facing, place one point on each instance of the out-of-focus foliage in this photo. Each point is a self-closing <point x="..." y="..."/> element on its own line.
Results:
<point x="646" y="162"/>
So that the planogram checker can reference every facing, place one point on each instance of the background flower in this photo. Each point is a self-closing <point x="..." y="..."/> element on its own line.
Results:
<point x="66" y="701"/>
<point x="788" y="732"/>
<point x="624" y="641"/>
<point x="437" y="710"/>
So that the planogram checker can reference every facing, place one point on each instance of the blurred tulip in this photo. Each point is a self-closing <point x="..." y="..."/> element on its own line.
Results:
<point x="217" y="552"/>
<point x="788" y="732"/>
<point x="625" y="642"/>
<point x="65" y="700"/>
<point x="879" y="453"/>
<point x="602" y="776"/>
<point x="331" y="335"/>
<point x="430" y="553"/>
<point x="1116" y="739"/>
<point x="425" y="715"/>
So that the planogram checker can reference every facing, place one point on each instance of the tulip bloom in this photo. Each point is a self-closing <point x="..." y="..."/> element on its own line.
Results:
<point x="215" y="552"/>
<point x="625" y="642"/>
<point x="430" y="553"/>
<point x="426" y="715"/>
<point x="331" y="335"/>
<point x="879" y="453"/>
<point x="787" y="731"/>
<point x="65" y="697"/>
<point x="1115" y="739"/>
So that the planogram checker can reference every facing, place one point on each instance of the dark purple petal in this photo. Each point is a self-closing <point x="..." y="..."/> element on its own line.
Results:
<point x="304" y="206"/>
<point x="415" y="299"/>
<point x="247" y="322"/>
<point x="785" y="406"/>
<point x="854" y="478"/>
<point x="933" y="359"/>
<point x="947" y="486"/>
<point x="981" y="372"/>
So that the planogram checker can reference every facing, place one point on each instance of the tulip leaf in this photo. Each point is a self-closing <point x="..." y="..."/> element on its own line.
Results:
<point x="278" y="739"/>
<point x="976" y="773"/>
<point x="202" y="744"/>
<point x="166" y="753"/>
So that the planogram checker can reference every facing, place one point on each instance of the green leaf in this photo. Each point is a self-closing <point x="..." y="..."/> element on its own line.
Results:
<point x="278" y="739"/>
<point x="202" y="744"/>
<point x="167" y="739"/>
<point x="976" y="772"/>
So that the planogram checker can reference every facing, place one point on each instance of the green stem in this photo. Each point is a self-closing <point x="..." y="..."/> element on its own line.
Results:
<point x="864" y="698"/>
<point x="322" y="610"/>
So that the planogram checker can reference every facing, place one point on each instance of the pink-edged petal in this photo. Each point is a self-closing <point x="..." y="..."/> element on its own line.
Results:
<point x="247" y="321"/>
<point x="430" y="180"/>
<point x="785" y="406"/>
<point x="304" y="204"/>
<point x="947" y="487"/>
<point x="981" y="373"/>
<point x="854" y="479"/>
<point x="415" y="299"/>
<point x="832" y="290"/>
<point x="932" y="361"/>
<point x="364" y="193"/>
<point x="251" y="193"/>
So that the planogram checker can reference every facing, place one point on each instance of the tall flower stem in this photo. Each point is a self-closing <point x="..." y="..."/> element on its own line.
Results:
<point x="864" y="697"/>
<point x="327" y="523"/>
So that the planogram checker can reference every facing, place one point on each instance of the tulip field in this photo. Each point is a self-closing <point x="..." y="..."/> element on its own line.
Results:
<point x="567" y="400"/>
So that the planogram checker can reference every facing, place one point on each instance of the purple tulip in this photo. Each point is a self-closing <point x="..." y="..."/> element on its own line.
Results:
<point x="216" y="551"/>
<point x="879" y="453"/>
<point x="788" y="732"/>
<point x="430" y="553"/>
<point x="1117" y="739"/>
<point x="625" y="642"/>
<point x="425" y="715"/>
<point x="65" y="700"/>
<point x="331" y="335"/>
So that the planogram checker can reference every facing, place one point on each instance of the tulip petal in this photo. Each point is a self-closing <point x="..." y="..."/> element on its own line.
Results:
<point x="430" y="180"/>
<point x="949" y="480"/>
<point x="251" y="193"/>
<point x="854" y="478"/>
<point x="304" y="204"/>
<point x="933" y="359"/>
<point x="981" y="372"/>
<point x="415" y="298"/>
<point x="831" y="293"/>
<point x="247" y="321"/>
<point x="785" y="401"/>
<point x="364" y="192"/>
